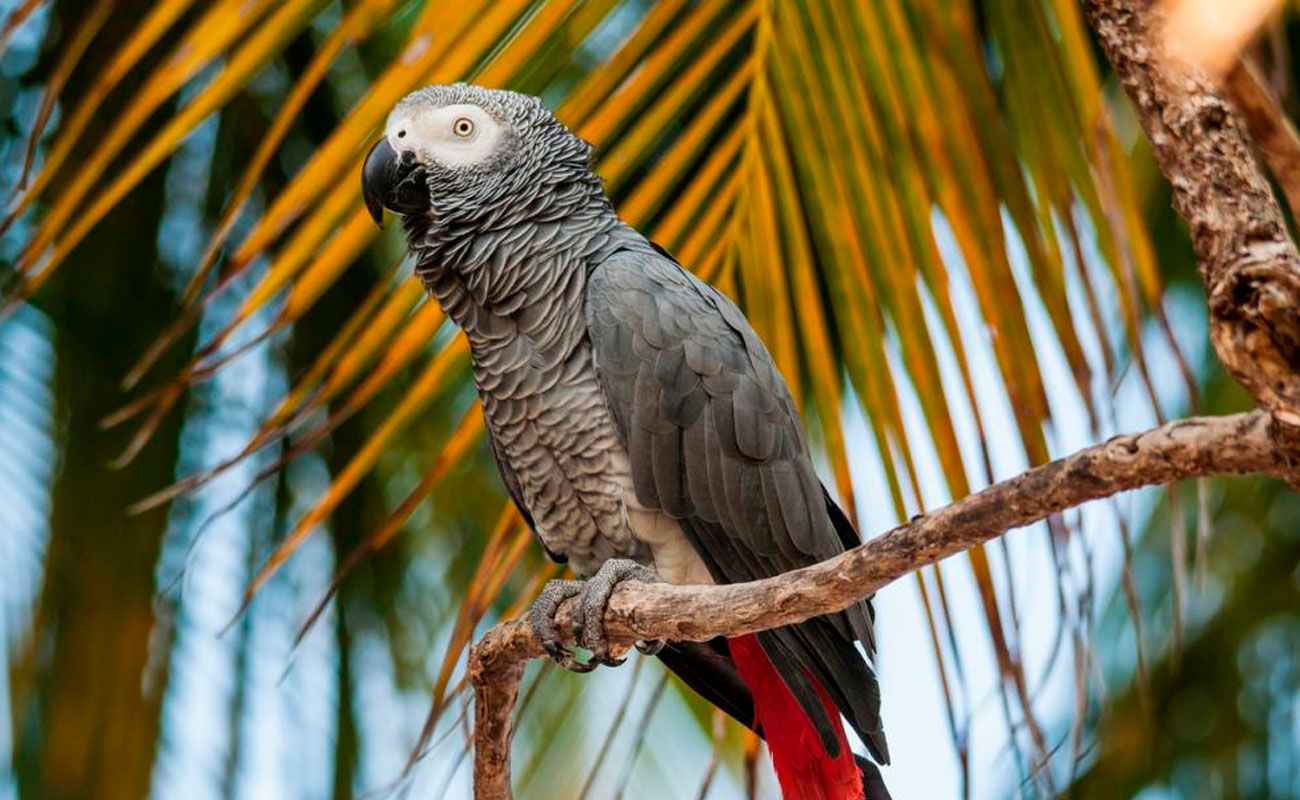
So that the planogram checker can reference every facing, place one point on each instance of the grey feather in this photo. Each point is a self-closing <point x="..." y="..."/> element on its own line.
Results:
<point x="602" y="364"/>
<point x="759" y="507"/>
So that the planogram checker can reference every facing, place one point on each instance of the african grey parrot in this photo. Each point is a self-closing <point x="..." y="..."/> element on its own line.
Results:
<point x="639" y="424"/>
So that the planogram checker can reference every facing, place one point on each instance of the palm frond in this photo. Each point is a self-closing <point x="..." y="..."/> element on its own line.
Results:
<point x="844" y="169"/>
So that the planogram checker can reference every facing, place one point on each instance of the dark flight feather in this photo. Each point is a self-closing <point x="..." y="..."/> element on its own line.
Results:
<point x="731" y="464"/>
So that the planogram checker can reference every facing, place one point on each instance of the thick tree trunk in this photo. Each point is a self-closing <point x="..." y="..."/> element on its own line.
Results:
<point x="1249" y="264"/>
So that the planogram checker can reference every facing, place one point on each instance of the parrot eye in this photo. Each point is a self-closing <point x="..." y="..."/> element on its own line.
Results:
<point x="463" y="126"/>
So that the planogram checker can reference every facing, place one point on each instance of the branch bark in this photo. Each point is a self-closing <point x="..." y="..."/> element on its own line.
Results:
<point x="1248" y="262"/>
<point x="1243" y="443"/>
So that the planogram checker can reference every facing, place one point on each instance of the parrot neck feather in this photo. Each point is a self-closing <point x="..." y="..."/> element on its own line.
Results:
<point x="524" y="275"/>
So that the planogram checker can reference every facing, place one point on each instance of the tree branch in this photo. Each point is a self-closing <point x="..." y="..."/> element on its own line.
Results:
<point x="1188" y="448"/>
<point x="1249" y="264"/>
<point x="1269" y="127"/>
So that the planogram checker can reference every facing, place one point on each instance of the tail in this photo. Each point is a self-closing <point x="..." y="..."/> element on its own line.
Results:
<point x="804" y="768"/>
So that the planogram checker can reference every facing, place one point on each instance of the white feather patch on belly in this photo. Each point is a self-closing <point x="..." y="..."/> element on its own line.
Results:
<point x="675" y="559"/>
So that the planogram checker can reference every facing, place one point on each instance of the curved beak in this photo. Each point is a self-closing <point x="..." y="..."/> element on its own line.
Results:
<point x="379" y="176"/>
<point x="393" y="180"/>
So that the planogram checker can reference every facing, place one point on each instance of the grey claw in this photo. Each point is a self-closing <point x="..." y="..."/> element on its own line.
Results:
<point x="595" y="599"/>
<point x="650" y="648"/>
<point x="542" y="618"/>
<point x="588" y="624"/>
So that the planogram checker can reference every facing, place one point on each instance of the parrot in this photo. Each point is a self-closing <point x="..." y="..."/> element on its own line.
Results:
<point x="638" y="422"/>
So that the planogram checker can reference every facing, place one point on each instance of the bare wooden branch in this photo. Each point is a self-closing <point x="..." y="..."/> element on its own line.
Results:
<point x="1249" y="264"/>
<point x="496" y="685"/>
<point x="1269" y="127"/>
<point x="1195" y="447"/>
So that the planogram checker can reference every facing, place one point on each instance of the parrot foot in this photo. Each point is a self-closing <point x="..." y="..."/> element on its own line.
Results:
<point x="589" y="617"/>
<point x="542" y="617"/>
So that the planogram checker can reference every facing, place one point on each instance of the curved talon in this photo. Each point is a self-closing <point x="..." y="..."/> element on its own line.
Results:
<point x="588" y="623"/>
<point x="595" y="599"/>
<point x="542" y="618"/>
<point x="650" y="648"/>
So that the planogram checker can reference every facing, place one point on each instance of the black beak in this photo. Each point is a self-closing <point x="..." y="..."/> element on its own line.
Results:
<point x="392" y="180"/>
<point x="377" y="177"/>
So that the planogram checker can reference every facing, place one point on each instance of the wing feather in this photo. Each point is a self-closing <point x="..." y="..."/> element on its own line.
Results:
<point x="666" y="460"/>
<point x="695" y="460"/>
<point x="715" y="440"/>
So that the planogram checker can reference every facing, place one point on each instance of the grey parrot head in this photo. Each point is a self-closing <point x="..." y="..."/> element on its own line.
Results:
<point x="461" y="158"/>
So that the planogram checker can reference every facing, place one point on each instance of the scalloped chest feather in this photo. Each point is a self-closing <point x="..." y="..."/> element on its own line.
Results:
<point x="553" y="435"/>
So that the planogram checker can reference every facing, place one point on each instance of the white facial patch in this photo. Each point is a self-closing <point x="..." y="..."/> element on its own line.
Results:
<point x="454" y="136"/>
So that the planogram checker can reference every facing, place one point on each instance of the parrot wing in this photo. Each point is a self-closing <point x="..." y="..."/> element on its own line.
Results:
<point x="715" y="441"/>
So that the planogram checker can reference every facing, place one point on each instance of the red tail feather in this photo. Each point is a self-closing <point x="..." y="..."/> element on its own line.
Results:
<point x="804" y="768"/>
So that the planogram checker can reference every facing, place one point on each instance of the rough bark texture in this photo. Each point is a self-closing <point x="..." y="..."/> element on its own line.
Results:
<point x="1250" y="266"/>
<point x="1243" y="443"/>
<point x="496" y="686"/>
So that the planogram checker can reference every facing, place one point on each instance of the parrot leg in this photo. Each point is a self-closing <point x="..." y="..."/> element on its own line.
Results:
<point x="589" y="617"/>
